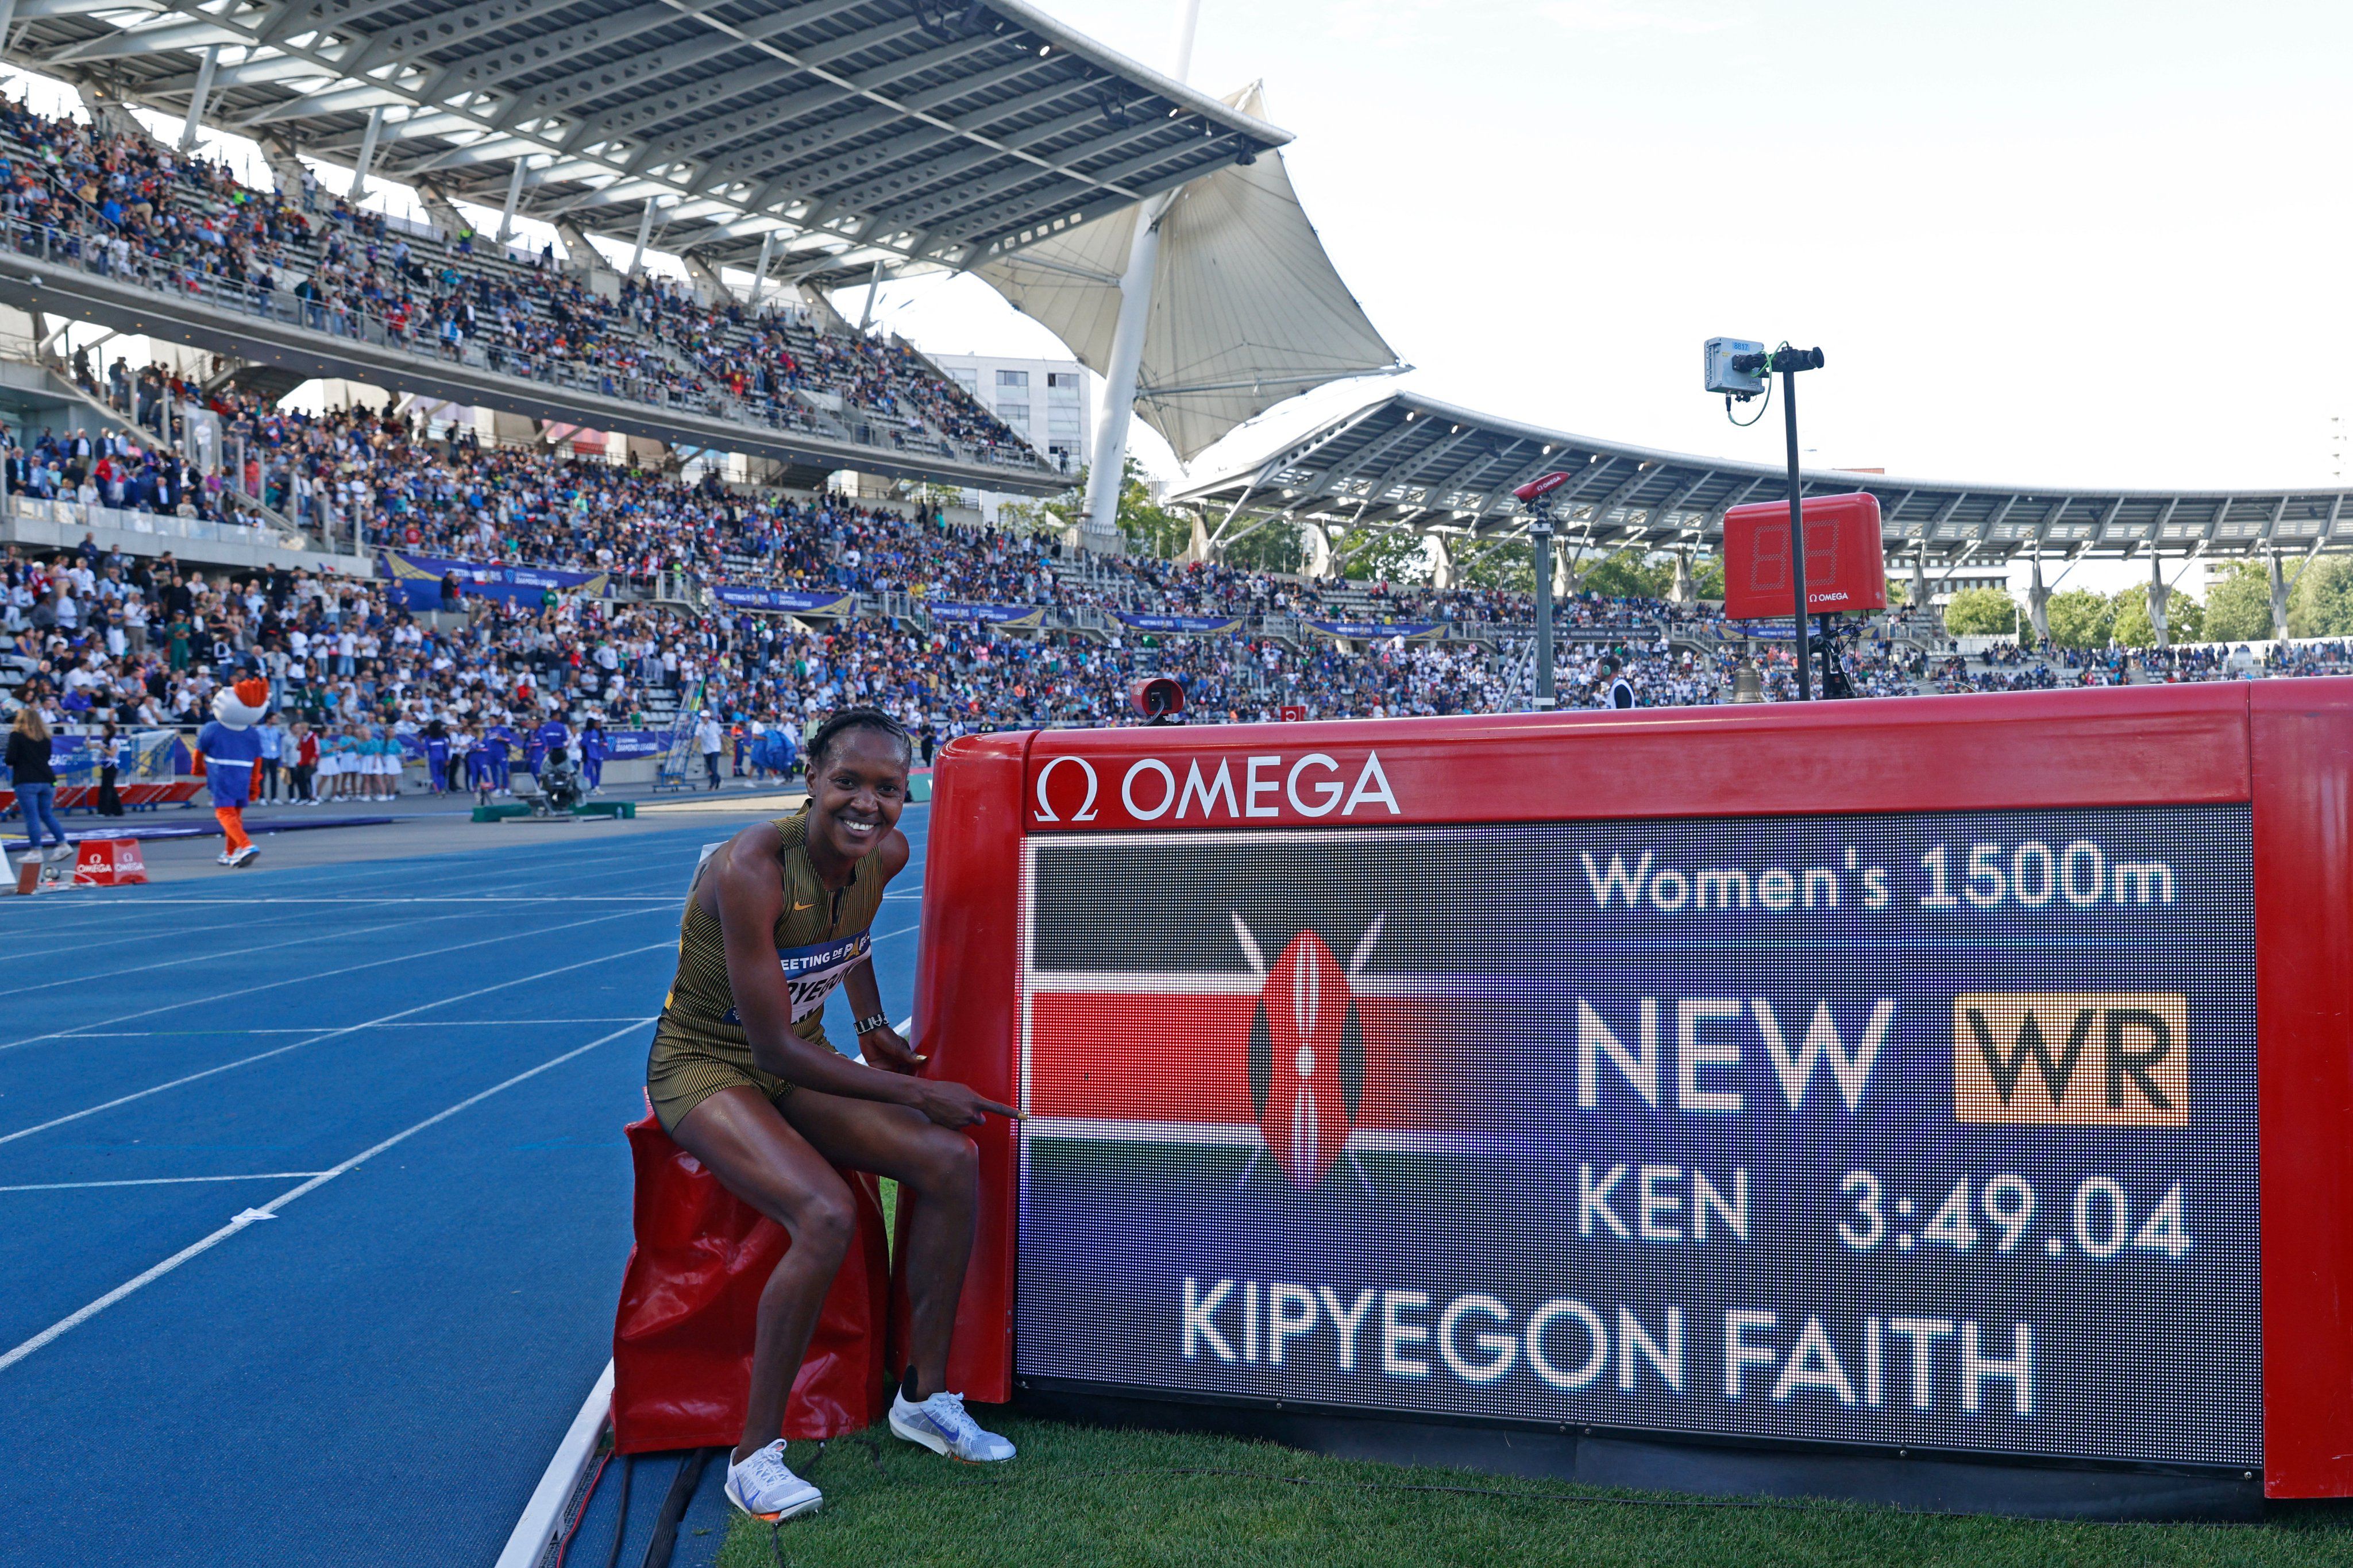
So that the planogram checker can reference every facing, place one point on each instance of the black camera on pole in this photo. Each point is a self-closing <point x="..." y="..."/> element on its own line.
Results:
<point x="1159" y="699"/>
<point x="1738" y="367"/>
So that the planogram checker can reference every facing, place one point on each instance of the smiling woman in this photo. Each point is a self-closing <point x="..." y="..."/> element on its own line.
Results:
<point x="742" y="1077"/>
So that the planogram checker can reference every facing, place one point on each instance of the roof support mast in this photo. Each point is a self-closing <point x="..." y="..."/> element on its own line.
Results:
<point x="1104" y="473"/>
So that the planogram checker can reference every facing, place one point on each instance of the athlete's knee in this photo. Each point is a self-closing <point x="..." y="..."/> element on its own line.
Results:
<point x="948" y="1166"/>
<point x="823" y="1223"/>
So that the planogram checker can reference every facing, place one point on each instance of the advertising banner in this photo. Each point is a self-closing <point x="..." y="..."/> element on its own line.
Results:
<point x="623" y="745"/>
<point x="791" y="601"/>
<point x="418" y="579"/>
<point x="1361" y="631"/>
<point x="1014" y="616"/>
<point x="1197" y="625"/>
<point x="1933" y="1130"/>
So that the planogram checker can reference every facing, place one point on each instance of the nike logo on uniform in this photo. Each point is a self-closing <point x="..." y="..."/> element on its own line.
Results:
<point x="798" y="907"/>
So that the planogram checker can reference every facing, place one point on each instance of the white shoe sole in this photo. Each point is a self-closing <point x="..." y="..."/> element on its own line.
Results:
<point x="809" y="1505"/>
<point x="933" y="1441"/>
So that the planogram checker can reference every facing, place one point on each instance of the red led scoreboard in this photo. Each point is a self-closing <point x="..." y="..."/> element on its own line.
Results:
<point x="1966" y="1077"/>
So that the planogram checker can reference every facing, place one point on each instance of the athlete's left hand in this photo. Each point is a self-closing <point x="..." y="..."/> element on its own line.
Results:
<point x="886" y="1048"/>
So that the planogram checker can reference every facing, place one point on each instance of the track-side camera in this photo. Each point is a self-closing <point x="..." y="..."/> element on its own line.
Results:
<point x="1159" y="699"/>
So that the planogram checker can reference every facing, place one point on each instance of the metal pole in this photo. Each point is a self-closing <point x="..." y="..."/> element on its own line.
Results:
<point x="1540" y="531"/>
<point x="368" y="151"/>
<point x="1098" y="522"/>
<point x="645" y="232"/>
<point x="197" y="100"/>
<point x="514" y="199"/>
<point x="873" y="285"/>
<point x="760" y="273"/>
<point x="1797" y="537"/>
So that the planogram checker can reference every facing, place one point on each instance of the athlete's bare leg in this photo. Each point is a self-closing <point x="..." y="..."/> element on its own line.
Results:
<point x="761" y="1160"/>
<point x="941" y="1169"/>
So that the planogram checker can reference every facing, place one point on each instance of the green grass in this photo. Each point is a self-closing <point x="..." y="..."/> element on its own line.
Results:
<point x="1085" y="1496"/>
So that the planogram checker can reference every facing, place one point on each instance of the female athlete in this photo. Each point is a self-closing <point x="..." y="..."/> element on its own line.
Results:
<point x="743" y="1078"/>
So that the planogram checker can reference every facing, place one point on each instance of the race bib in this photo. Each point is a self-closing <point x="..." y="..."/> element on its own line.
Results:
<point x="811" y="973"/>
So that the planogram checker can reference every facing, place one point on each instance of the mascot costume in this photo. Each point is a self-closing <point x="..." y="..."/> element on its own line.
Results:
<point x="230" y="746"/>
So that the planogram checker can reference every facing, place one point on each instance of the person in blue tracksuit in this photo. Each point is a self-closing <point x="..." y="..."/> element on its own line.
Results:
<point x="498" y="760"/>
<point x="592" y="754"/>
<point x="437" y="756"/>
<point x="552" y="736"/>
<point x="476" y="760"/>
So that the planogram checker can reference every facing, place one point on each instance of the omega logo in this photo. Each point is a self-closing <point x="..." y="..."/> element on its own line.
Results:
<point x="1150" y="789"/>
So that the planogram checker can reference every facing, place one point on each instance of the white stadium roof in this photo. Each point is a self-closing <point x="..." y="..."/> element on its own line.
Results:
<point x="1410" y="462"/>
<point x="919" y="133"/>
<point x="1247" y="309"/>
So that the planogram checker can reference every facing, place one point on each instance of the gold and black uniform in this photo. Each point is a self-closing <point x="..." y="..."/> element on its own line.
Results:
<point x="821" y="934"/>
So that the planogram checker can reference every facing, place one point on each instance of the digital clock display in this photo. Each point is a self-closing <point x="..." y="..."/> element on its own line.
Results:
<point x="1934" y="1131"/>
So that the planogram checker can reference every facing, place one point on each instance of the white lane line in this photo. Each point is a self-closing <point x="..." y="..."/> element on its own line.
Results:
<point x="82" y="943"/>
<point x="159" y="1182"/>
<point x="328" y="1035"/>
<point x="323" y="974"/>
<point x="235" y="952"/>
<point x="312" y="1029"/>
<point x="66" y="1325"/>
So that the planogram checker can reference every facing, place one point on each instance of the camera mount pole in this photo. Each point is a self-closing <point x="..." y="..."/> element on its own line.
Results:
<point x="1540" y="531"/>
<point x="1797" y="535"/>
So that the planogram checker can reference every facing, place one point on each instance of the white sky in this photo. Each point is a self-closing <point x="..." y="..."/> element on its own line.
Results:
<point x="2084" y="243"/>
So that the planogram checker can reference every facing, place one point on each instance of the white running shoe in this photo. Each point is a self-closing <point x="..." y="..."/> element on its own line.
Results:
<point x="223" y="859"/>
<point x="244" y="855"/>
<point x="941" y="1425"/>
<point x="765" y="1488"/>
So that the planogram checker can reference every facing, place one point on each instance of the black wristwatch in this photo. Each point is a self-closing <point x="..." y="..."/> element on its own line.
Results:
<point x="868" y="1025"/>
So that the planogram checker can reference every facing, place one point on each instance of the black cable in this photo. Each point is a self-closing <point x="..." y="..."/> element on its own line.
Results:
<point x="622" y="1525"/>
<point x="674" y="1508"/>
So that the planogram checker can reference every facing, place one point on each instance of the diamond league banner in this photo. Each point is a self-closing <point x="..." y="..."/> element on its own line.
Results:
<point x="789" y="601"/>
<point x="1015" y="616"/>
<point x="1934" y="1129"/>
<point x="417" y="578"/>
<point x="1374" y="631"/>
<point x="1190" y="626"/>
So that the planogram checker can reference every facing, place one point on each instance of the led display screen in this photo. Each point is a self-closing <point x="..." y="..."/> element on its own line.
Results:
<point x="1931" y="1130"/>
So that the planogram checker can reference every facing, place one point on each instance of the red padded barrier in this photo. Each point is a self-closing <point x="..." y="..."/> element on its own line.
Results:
<point x="683" y="1338"/>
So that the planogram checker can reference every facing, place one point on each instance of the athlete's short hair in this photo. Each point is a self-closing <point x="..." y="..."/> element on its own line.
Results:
<point x="854" y="718"/>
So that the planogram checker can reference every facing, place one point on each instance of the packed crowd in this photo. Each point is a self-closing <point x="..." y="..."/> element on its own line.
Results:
<point x="97" y="639"/>
<point x="110" y="644"/>
<point x="131" y="206"/>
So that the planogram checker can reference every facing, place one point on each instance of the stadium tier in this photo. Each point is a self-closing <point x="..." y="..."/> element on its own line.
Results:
<point x="816" y="138"/>
<point x="117" y="229"/>
<point x="1406" y="461"/>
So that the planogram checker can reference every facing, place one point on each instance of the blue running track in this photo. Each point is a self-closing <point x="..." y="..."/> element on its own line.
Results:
<point x="419" y="1069"/>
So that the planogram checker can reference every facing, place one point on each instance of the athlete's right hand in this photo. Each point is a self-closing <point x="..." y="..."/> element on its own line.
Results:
<point x="953" y="1105"/>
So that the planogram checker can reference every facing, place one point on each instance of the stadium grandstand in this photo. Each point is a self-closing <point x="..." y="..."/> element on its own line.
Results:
<point x="437" y="502"/>
<point x="1409" y="463"/>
